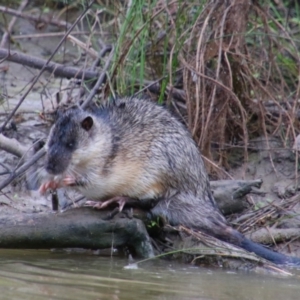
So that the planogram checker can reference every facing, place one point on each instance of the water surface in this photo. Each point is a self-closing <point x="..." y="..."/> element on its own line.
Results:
<point x="35" y="274"/>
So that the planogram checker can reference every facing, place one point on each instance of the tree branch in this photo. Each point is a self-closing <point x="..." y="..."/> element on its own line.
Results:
<point x="58" y="23"/>
<point x="54" y="68"/>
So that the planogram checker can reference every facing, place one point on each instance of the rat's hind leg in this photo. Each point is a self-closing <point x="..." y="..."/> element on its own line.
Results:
<point x="100" y="205"/>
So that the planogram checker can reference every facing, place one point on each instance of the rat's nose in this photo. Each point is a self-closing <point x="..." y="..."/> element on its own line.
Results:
<point x="56" y="162"/>
<point x="50" y="167"/>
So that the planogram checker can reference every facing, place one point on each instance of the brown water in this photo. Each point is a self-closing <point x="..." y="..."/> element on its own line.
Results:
<point x="33" y="275"/>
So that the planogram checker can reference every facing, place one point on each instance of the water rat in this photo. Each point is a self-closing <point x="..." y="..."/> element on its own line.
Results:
<point x="134" y="148"/>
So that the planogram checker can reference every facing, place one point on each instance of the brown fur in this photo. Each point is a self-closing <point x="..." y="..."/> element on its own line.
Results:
<point x="137" y="149"/>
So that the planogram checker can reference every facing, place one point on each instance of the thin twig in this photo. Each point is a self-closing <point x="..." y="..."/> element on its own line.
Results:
<point x="6" y="35"/>
<point x="48" y="35"/>
<point x="46" y="64"/>
<point x="85" y="46"/>
<point x="23" y="168"/>
<point x="58" y="23"/>
<point x="100" y="81"/>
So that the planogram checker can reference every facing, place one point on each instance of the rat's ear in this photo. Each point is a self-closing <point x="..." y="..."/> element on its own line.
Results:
<point x="87" y="123"/>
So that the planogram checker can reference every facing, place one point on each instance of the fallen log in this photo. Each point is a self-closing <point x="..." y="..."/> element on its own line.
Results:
<point x="76" y="228"/>
<point x="273" y="235"/>
<point x="229" y="193"/>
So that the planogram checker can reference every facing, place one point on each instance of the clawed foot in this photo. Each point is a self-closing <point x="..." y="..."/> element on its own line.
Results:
<point x="54" y="185"/>
<point x="100" y="205"/>
<point x="49" y="185"/>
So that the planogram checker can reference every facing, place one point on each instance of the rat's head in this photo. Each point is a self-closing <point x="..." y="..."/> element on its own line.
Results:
<point x="69" y="140"/>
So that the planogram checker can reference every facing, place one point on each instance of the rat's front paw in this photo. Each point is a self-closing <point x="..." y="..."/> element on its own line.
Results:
<point x="65" y="182"/>
<point x="49" y="185"/>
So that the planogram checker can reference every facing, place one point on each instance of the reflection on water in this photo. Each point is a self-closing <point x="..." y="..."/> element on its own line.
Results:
<point x="33" y="275"/>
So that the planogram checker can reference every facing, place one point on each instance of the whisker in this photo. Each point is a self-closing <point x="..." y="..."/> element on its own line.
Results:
<point x="34" y="177"/>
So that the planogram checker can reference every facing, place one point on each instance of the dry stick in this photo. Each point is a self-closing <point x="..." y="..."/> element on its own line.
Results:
<point x="105" y="49"/>
<point x="242" y="111"/>
<point x="96" y="63"/>
<point x="6" y="35"/>
<point x="154" y="87"/>
<point x="97" y="59"/>
<point x="46" y="64"/>
<point x="217" y="167"/>
<point x="43" y="65"/>
<point x="199" y="65"/>
<point x="23" y="168"/>
<point x="217" y="76"/>
<point x="12" y="146"/>
<point x="48" y="35"/>
<point x="100" y="80"/>
<point x="268" y="210"/>
<point x="51" y="21"/>
<point x="221" y="85"/>
<point x="41" y="152"/>
<point x="186" y="65"/>
<point x="85" y="46"/>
